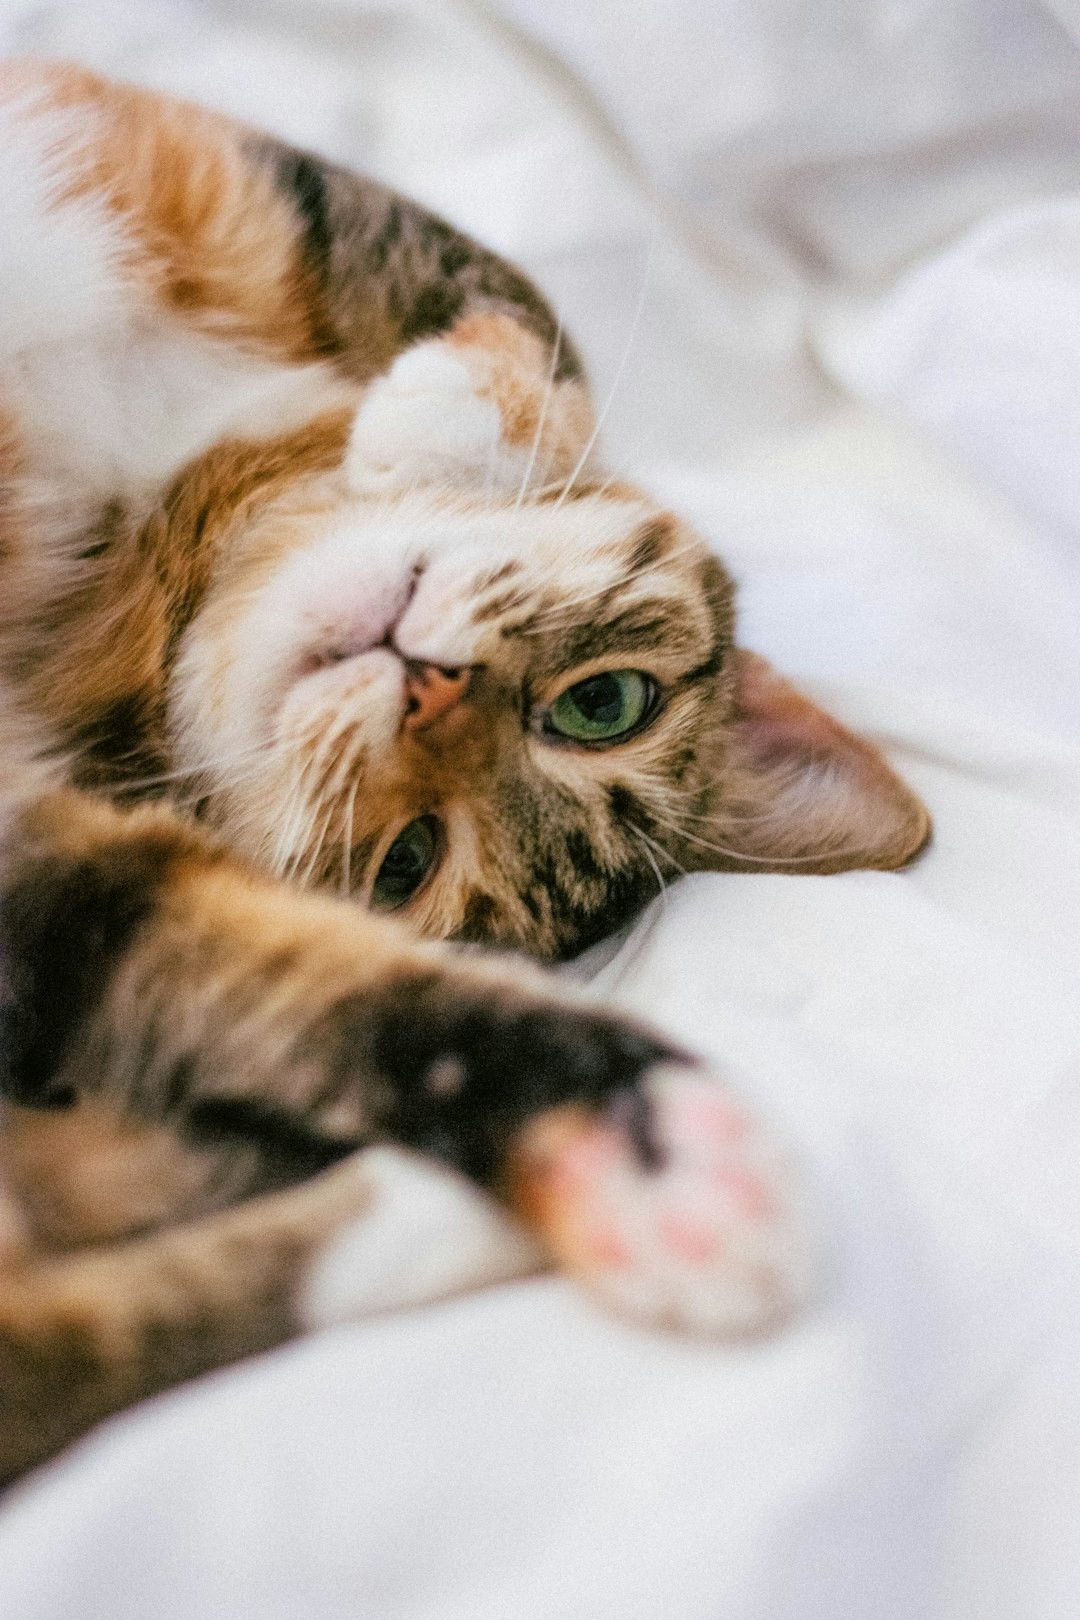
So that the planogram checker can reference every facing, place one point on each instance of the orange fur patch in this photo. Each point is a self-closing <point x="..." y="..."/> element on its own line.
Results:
<point x="512" y="367"/>
<point x="90" y="1174"/>
<point x="212" y="235"/>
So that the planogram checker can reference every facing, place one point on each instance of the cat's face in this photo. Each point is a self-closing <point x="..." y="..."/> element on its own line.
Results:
<point x="510" y="711"/>
<point x="476" y="713"/>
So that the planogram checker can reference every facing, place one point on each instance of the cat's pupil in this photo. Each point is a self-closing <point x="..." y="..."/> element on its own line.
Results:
<point x="600" y="700"/>
<point x="406" y="864"/>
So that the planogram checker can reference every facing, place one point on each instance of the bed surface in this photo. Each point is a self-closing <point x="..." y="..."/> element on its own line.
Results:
<point x="825" y="262"/>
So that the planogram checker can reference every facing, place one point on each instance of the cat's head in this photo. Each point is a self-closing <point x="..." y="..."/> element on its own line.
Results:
<point x="445" y="666"/>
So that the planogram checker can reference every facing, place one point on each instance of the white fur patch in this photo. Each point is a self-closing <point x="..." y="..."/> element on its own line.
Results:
<point x="424" y="423"/>
<point x="126" y="408"/>
<point x="112" y="394"/>
<point x="60" y="276"/>
<point x="427" y="1234"/>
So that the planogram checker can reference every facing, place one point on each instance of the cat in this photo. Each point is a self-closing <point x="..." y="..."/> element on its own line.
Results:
<point x="318" y="605"/>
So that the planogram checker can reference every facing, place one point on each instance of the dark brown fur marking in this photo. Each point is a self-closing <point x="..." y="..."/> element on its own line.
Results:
<point x="389" y="273"/>
<point x="63" y="926"/>
<point x="649" y="545"/>
<point x="517" y="1060"/>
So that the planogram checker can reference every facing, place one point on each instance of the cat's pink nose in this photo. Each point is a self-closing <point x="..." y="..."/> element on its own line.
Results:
<point x="432" y="692"/>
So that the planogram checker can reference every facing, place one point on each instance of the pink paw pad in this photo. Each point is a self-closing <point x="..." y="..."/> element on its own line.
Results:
<point x="708" y="1240"/>
<point x="685" y="1239"/>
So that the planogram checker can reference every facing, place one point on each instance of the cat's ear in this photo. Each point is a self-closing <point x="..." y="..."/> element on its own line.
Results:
<point x="801" y="793"/>
<point x="482" y="409"/>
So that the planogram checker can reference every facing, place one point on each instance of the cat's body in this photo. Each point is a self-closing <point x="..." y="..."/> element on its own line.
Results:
<point x="301" y="527"/>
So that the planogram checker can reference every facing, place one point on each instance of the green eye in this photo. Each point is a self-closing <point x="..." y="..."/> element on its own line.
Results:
<point x="408" y="861"/>
<point x="603" y="708"/>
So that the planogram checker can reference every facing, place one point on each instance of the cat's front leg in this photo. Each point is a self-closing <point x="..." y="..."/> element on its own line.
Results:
<point x="633" y="1167"/>
<point x="85" y="1332"/>
<point x="246" y="1035"/>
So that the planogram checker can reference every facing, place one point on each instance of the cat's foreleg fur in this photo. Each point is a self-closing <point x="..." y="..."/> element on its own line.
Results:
<point x="88" y="1332"/>
<point x="263" y="1034"/>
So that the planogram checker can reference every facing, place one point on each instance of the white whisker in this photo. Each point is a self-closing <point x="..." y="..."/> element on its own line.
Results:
<point x="549" y="390"/>
<point x="659" y="848"/>
<point x="227" y="762"/>
<point x="347" y="842"/>
<point x="651" y="858"/>
<point x="296" y="812"/>
<point x="304" y="877"/>
<point x="771" y="861"/>
<point x="634" y="324"/>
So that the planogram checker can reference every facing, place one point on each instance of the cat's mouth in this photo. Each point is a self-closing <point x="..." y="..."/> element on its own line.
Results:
<point x="431" y="690"/>
<point x="372" y="631"/>
<point x="318" y="659"/>
<point x="426" y="695"/>
<point x="379" y="694"/>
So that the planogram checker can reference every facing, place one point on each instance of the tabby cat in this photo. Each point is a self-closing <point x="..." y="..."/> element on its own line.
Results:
<point x="316" y="603"/>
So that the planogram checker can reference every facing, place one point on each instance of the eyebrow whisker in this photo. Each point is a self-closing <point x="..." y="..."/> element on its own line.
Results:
<point x="647" y="845"/>
<point x="549" y="390"/>
<point x="619" y="370"/>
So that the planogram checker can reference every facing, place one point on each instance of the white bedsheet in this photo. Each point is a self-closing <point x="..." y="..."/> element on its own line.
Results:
<point x="844" y="240"/>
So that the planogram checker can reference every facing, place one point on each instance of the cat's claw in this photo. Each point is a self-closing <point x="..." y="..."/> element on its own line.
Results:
<point x="672" y="1206"/>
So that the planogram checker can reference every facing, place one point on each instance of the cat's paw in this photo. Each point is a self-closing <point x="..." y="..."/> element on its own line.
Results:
<point x="482" y="406"/>
<point x="423" y="422"/>
<point x="672" y="1205"/>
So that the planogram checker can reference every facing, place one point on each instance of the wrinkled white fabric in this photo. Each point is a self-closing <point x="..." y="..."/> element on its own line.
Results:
<point x="843" y="245"/>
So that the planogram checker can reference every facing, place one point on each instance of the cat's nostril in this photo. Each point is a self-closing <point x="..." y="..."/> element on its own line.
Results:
<point x="432" y="690"/>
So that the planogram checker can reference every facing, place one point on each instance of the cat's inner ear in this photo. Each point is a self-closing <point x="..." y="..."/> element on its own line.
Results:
<point x="801" y="793"/>
<point x="480" y="409"/>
